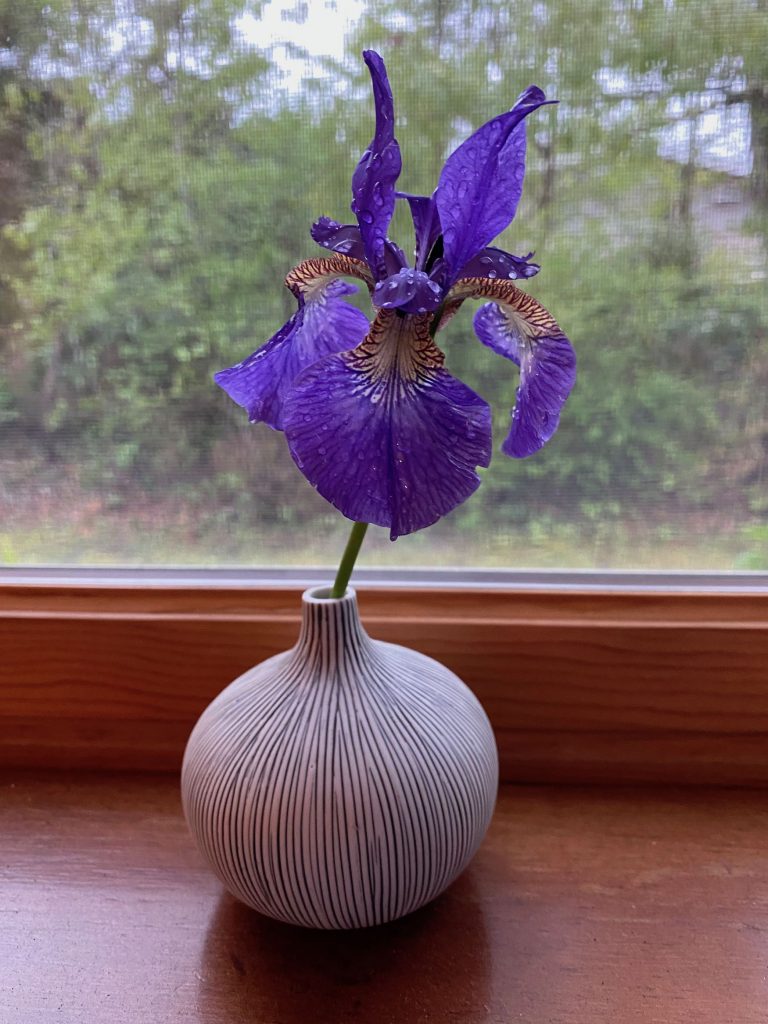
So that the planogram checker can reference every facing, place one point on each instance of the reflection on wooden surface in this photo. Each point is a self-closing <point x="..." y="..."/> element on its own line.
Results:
<point x="585" y="906"/>
<point x="266" y="971"/>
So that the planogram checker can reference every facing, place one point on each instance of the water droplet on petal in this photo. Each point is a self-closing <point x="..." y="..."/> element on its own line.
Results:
<point x="366" y="216"/>
<point x="492" y="274"/>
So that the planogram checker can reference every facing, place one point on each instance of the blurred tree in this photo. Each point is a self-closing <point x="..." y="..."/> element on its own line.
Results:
<point x="159" y="180"/>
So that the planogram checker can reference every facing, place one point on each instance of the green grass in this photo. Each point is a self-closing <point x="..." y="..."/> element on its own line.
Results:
<point x="123" y="539"/>
<point x="51" y="517"/>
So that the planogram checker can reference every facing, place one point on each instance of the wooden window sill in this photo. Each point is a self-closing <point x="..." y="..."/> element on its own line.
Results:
<point x="581" y="686"/>
<point x="584" y="906"/>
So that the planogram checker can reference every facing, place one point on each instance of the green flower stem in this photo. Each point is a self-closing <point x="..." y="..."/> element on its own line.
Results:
<point x="348" y="559"/>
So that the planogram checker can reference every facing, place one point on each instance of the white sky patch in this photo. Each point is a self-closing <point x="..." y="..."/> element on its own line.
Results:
<point x="320" y="28"/>
<point x="720" y="139"/>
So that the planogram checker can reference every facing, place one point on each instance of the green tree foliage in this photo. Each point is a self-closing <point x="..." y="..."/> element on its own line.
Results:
<point x="158" y="183"/>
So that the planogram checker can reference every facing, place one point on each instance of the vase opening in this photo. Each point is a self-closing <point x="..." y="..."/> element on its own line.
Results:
<point x="318" y="595"/>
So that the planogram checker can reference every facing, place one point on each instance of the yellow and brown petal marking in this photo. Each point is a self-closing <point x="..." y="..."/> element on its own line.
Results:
<point x="311" y="276"/>
<point x="528" y="315"/>
<point x="384" y="432"/>
<point x="397" y="350"/>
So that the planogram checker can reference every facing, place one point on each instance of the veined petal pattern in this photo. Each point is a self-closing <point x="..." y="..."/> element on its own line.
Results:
<point x="384" y="432"/>
<point x="324" y="323"/>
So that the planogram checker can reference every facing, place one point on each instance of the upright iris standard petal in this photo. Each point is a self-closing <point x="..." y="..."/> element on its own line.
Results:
<point x="323" y="324"/>
<point x="519" y="328"/>
<point x="385" y="433"/>
<point x="482" y="181"/>
<point x="373" y="182"/>
<point x="426" y="224"/>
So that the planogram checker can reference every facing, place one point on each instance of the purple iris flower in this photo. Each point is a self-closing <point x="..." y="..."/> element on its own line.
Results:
<point x="372" y="418"/>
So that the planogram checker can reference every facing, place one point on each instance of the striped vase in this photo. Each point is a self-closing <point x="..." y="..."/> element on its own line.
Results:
<point x="343" y="783"/>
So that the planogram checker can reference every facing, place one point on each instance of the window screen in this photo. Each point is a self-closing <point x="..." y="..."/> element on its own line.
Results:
<point x="162" y="162"/>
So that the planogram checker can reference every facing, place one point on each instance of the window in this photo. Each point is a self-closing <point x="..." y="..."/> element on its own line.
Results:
<point x="162" y="163"/>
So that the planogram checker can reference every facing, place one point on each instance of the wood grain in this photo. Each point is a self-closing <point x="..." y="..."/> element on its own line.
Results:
<point x="584" y="906"/>
<point x="580" y="686"/>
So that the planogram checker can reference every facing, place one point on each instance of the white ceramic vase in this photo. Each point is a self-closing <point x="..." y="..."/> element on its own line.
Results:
<point x="343" y="783"/>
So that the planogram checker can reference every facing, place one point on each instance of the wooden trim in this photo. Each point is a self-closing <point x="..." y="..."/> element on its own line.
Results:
<point x="581" y="686"/>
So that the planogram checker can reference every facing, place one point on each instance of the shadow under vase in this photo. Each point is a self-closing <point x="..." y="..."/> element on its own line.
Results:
<point x="433" y="964"/>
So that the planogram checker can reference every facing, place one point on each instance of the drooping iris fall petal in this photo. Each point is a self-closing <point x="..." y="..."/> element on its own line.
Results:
<point x="373" y="182"/>
<point x="482" y="181"/>
<point x="519" y="328"/>
<point x="385" y="433"/>
<point x="323" y="324"/>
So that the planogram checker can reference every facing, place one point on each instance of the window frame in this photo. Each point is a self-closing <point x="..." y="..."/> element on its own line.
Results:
<point x="583" y="683"/>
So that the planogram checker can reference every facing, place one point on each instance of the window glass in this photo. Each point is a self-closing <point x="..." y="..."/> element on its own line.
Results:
<point x="162" y="161"/>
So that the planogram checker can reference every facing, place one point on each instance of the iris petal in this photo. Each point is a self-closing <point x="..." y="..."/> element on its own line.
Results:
<point x="519" y="328"/>
<point x="492" y="262"/>
<point x="493" y="329"/>
<point x="346" y="239"/>
<point x="482" y="181"/>
<point x="385" y="433"/>
<point x="323" y="324"/>
<point x="426" y="224"/>
<point x="373" y="182"/>
<point x="408" y="290"/>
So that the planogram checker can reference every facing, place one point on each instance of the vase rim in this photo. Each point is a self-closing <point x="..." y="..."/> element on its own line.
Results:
<point x="320" y="595"/>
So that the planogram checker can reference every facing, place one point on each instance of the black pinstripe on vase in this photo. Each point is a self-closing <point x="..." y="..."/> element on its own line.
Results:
<point x="343" y="783"/>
